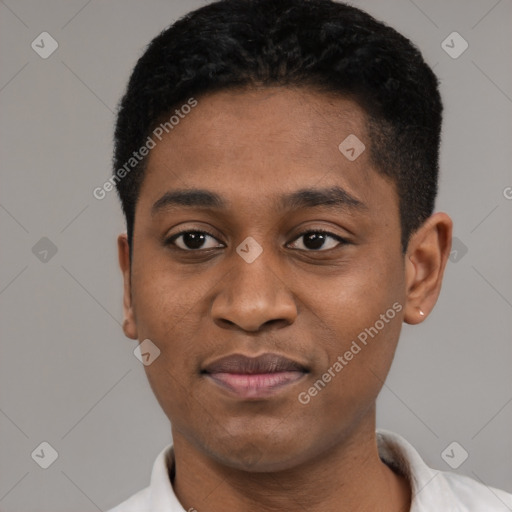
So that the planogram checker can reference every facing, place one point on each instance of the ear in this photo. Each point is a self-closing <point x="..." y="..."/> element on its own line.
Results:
<point x="425" y="261"/>
<point x="129" y="325"/>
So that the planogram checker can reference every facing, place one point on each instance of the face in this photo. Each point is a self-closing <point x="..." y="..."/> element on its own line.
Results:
<point x="290" y="252"/>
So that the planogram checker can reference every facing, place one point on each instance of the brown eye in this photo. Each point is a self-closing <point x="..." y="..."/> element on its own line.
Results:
<point x="318" y="240"/>
<point x="192" y="240"/>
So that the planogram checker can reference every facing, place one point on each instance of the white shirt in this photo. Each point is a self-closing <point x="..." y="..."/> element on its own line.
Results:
<point x="432" y="490"/>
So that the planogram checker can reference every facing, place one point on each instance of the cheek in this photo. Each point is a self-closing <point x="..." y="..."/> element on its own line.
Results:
<point x="343" y="392"/>
<point x="164" y="315"/>
<point x="160" y="300"/>
<point x="364" y="315"/>
<point x="354" y="302"/>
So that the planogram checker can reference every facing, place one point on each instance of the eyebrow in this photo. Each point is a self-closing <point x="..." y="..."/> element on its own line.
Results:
<point x="332" y="197"/>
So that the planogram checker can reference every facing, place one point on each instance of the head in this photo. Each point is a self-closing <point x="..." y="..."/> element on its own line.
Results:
<point x="296" y="143"/>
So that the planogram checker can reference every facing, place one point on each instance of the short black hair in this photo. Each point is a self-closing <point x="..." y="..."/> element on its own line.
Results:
<point x="320" y="44"/>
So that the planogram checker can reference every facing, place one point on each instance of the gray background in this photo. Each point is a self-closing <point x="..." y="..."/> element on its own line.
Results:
<point x="68" y="375"/>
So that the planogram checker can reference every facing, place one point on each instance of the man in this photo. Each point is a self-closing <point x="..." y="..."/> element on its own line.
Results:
<point x="277" y="165"/>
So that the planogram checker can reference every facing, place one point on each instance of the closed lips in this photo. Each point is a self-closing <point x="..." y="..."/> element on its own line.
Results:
<point x="254" y="378"/>
<point x="263" y="364"/>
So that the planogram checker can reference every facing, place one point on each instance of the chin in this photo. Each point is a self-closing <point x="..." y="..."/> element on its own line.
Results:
<point x="255" y="461"/>
<point x="258" y="453"/>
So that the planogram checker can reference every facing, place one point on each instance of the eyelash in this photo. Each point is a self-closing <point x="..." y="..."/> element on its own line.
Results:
<point x="171" y="239"/>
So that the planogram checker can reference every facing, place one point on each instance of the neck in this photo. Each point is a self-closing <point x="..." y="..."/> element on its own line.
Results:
<point x="350" y="476"/>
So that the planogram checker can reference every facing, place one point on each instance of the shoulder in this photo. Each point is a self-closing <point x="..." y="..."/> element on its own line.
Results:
<point x="159" y="495"/>
<point x="472" y="496"/>
<point x="138" y="502"/>
<point x="434" y="489"/>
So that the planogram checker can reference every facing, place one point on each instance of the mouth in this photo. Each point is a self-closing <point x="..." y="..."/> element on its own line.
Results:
<point x="254" y="377"/>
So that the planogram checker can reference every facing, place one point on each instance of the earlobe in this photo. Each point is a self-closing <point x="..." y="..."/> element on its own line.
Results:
<point x="425" y="262"/>
<point x="129" y="325"/>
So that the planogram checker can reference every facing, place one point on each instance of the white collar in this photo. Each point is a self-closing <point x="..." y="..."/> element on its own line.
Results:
<point x="432" y="490"/>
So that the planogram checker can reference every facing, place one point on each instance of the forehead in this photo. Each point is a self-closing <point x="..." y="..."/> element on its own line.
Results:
<point x="256" y="143"/>
<point x="237" y="123"/>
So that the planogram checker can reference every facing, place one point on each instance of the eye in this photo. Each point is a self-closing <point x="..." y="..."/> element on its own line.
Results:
<point x="191" y="240"/>
<point x="314" y="240"/>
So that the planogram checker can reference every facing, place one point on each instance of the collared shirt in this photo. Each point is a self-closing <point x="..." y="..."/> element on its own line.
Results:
<point x="432" y="490"/>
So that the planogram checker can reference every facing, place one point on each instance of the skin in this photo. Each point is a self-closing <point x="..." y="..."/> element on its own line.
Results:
<point x="250" y="147"/>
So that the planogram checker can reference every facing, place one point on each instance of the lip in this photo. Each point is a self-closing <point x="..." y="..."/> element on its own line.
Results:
<point x="254" y="377"/>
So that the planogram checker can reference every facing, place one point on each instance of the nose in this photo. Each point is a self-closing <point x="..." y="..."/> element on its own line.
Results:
<point x="253" y="297"/>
